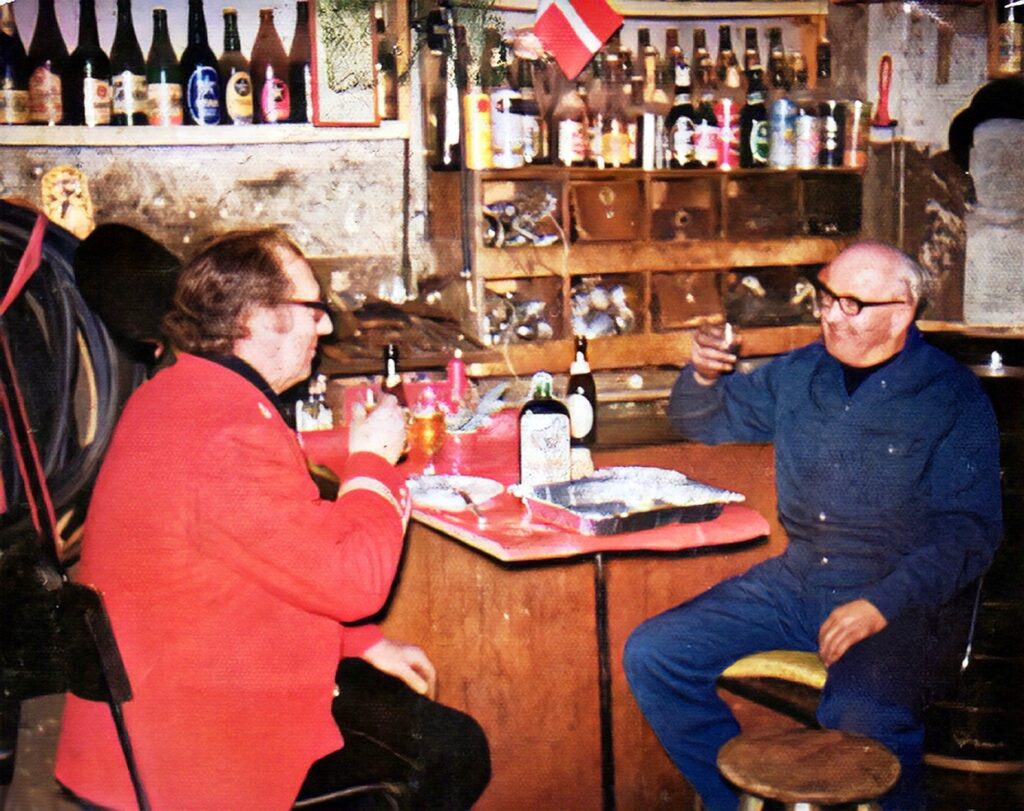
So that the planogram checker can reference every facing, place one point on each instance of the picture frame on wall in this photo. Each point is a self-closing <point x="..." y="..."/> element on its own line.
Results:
<point x="343" y="56"/>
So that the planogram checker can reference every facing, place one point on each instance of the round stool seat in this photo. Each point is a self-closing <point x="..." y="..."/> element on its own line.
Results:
<point x="817" y="766"/>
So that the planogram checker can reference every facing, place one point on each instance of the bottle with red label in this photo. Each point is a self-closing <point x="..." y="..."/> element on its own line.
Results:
<point x="86" y="83"/>
<point x="47" y="58"/>
<point x="269" y="67"/>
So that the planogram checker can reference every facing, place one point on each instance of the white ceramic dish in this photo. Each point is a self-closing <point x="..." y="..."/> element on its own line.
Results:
<point x="450" y="492"/>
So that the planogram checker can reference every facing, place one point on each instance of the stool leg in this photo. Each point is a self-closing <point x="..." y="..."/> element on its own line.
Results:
<point x="748" y="802"/>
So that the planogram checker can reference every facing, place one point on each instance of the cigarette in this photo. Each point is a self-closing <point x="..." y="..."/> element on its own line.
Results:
<point x="728" y="334"/>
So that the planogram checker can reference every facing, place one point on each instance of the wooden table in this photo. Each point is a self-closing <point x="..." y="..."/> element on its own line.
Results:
<point x="521" y="635"/>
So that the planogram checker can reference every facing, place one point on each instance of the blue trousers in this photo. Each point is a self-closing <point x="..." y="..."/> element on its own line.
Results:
<point x="879" y="688"/>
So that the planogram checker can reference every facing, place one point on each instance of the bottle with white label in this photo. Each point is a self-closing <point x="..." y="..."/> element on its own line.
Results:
<point x="543" y="436"/>
<point x="130" y="100"/>
<point x="582" y="398"/>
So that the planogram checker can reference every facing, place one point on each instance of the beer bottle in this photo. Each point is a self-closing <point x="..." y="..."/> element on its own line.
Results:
<point x="128" y="71"/>
<point x="47" y="58"/>
<point x="269" y="68"/>
<point x="705" y="136"/>
<point x="727" y="67"/>
<point x="754" y="124"/>
<point x="533" y="129"/>
<point x="777" y="74"/>
<point x="300" y="79"/>
<point x="544" y="452"/>
<point x="13" y="70"/>
<point x="163" y="75"/>
<point x="581" y="398"/>
<point x="679" y="122"/>
<point x="86" y="84"/>
<point x="236" y="83"/>
<point x="569" y="127"/>
<point x="751" y="52"/>
<point x="831" y="112"/>
<point x="1010" y="42"/>
<point x="200" y="72"/>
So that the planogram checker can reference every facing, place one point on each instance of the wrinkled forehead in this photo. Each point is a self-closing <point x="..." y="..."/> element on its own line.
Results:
<point x="866" y="274"/>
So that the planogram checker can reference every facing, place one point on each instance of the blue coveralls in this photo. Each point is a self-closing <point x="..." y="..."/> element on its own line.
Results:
<point x="890" y="494"/>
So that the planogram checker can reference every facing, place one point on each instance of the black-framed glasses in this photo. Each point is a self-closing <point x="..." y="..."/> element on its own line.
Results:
<point x="319" y="308"/>
<point x="848" y="305"/>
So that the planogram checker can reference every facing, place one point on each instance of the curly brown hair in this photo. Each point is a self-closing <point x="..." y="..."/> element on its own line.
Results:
<point x="230" y="274"/>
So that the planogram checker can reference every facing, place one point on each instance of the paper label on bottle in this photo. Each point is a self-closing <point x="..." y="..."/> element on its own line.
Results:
<point x="758" y="142"/>
<point x="165" y="108"/>
<point x="238" y="98"/>
<point x="13" y="106"/>
<point x="44" y="100"/>
<point x="96" y="102"/>
<point x="544" y="448"/>
<point x="506" y="130"/>
<point x="681" y="140"/>
<point x="130" y="95"/>
<point x="705" y="143"/>
<point x="572" y="142"/>
<point x="1010" y="47"/>
<point x="581" y="414"/>
<point x="275" y="100"/>
<point x="806" y="149"/>
<point x="202" y="96"/>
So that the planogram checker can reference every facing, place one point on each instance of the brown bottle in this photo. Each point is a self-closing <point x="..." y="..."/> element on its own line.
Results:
<point x="300" y="78"/>
<point x="47" y="57"/>
<point x="269" y="68"/>
<point x="13" y="71"/>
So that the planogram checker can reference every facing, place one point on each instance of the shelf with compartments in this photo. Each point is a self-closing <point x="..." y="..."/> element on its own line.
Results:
<point x="670" y="248"/>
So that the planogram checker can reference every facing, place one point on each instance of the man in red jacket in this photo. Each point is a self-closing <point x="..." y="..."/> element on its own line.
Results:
<point x="232" y="586"/>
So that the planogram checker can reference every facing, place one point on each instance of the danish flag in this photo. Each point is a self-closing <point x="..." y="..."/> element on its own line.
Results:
<point x="573" y="31"/>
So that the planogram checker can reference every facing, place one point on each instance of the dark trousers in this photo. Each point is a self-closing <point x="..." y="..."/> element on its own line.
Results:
<point x="438" y="756"/>
<point x="879" y="688"/>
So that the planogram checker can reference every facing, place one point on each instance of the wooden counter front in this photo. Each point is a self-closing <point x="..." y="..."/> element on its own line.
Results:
<point x="514" y="644"/>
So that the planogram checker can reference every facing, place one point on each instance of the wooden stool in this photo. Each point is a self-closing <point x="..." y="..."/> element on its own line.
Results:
<point x="808" y="768"/>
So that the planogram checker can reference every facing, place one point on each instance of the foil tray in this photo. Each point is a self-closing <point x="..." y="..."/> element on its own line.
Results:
<point x="624" y="499"/>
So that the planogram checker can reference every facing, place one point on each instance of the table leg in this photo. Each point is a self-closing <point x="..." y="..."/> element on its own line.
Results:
<point x="604" y="681"/>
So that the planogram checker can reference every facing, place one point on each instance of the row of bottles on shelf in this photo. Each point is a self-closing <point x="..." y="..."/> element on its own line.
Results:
<point x="555" y="435"/>
<point x="49" y="86"/>
<point x="655" y="111"/>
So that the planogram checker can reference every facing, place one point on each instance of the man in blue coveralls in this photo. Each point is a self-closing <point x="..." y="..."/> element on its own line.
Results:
<point x="887" y="472"/>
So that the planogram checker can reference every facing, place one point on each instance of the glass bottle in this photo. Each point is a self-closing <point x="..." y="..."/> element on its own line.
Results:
<point x="200" y="72"/>
<point x="831" y="112"/>
<point x="569" y="127"/>
<point x="705" y="136"/>
<point x="300" y="77"/>
<point x="648" y="56"/>
<point x="391" y="377"/>
<point x="47" y="58"/>
<point x="1010" y="38"/>
<point x="86" y="83"/>
<point x="506" y="122"/>
<point x="596" y="99"/>
<point x="679" y="122"/>
<point x="533" y="129"/>
<point x="544" y="452"/>
<point x="581" y="398"/>
<point x="727" y="67"/>
<point x="777" y="74"/>
<point x="128" y="72"/>
<point x="163" y="76"/>
<point x="754" y="124"/>
<point x="13" y="70"/>
<point x="269" y="66"/>
<point x="615" y="128"/>
<point x="751" y="51"/>
<point x="235" y="81"/>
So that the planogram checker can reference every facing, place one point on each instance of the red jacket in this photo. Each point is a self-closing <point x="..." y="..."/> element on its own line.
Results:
<point x="226" y="578"/>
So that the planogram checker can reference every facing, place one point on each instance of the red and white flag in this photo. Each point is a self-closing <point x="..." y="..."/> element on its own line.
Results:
<point x="573" y="31"/>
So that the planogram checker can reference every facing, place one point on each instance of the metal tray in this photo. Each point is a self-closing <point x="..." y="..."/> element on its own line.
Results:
<point x="625" y="499"/>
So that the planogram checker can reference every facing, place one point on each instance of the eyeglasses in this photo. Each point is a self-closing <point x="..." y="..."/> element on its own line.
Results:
<point x="319" y="308"/>
<point x="848" y="305"/>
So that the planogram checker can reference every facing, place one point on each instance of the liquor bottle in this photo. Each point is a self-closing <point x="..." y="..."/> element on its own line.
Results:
<point x="506" y="124"/>
<point x="581" y="399"/>
<point x="705" y="137"/>
<point x="751" y="52"/>
<point x="596" y="99"/>
<point x="831" y="112"/>
<point x="387" y="70"/>
<point x="777" y="78"/>
<point x="679" y="122"/>
<point x="200" y="72"/>
<point x="235" y="81"/>
<point x="1010" y="39"/>
<point x="128" y="72"/>
<point x="569" y="128"/>
<point x="652" y="135"/>
<point x="617" y="117"/>
<point x="754" y="124"/>
<point x="163" y="76"/>
<point x="300" y="77"/>
<point x="47" y="57"/>
<point x="533" y="129"/>
<point x="648" y="56"/>
<point x="13" y="70"/>
<point x="86" y="83"/>
<point x="269" y="66"/>
<point x="391" y="378"/>
<point x="727" y="67"/>
<point x="544" y="453"/>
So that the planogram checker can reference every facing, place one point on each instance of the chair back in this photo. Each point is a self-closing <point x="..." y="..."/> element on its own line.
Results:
<point x="95" y="670"/>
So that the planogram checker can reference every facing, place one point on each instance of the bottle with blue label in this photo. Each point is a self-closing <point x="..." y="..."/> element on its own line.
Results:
<point x="199" y="71"/>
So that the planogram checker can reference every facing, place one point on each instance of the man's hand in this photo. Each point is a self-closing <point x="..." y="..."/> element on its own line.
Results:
<point x="406" y="662"/>
<point x="382" y="431"/>
<point x="847" y="625"/>
<point x="712" y="353"/>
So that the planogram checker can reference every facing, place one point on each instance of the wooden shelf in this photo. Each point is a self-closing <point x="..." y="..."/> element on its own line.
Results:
<point x="197" y="136"/>
<point x="696" y="9"/>
<point x="1009" y="331"/>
